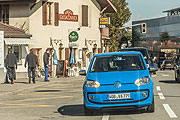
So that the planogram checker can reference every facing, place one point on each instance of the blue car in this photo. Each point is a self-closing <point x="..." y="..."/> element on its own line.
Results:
<point x="118" y="80"/>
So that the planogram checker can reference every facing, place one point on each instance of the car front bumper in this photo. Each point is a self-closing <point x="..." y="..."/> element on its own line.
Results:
<point x="101" y="99"/>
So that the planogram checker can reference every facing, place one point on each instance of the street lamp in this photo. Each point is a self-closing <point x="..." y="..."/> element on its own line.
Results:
<point x="55" y="41"/>
<point x="60" y="45"/>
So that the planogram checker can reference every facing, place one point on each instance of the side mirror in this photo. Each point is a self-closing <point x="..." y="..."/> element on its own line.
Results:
<point x="82" y="72"/>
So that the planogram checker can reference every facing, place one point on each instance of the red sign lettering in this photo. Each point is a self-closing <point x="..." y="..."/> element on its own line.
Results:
<point x="68" y="16"/>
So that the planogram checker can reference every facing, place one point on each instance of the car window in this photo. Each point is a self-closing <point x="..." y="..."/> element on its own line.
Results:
<point x="117" y="63"/>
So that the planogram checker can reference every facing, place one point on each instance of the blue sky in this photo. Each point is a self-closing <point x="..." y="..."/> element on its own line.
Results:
<point x="143" y="9"/>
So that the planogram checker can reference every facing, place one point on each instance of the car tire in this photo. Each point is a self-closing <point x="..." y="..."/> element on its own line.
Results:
<point x="175" y="76"/>
<point x="87" y="112"/>
<point x="151" y="108"/>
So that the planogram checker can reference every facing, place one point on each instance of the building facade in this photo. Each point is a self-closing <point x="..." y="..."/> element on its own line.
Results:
<point x="155" y="27"/>
<point x="61" y="25"/>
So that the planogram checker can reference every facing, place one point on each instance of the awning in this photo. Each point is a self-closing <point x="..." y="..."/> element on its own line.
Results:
<point x="13" y="41"/>
<point x="107" y="6"/>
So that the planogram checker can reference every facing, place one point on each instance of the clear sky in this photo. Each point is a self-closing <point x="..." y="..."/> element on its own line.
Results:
<point x="143" y="9"/>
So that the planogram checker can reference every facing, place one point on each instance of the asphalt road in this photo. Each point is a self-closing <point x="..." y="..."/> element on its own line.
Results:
<point x="63" y="100"/>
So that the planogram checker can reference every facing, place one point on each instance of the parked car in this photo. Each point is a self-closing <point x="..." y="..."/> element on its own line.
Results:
<point x="118" y="80"/>
<point x="167" y="64"/>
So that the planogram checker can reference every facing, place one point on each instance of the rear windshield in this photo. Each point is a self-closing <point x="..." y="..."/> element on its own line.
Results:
<point x="143" y="52"/>
<point x="167" y="62"/>
<point x="117" y="63"/>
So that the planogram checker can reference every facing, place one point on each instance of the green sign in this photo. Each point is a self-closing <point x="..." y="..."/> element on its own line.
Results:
<point x="73" y="36"/>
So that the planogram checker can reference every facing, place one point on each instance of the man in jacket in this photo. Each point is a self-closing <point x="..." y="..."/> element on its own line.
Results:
<point x="32" y="61"/>
<point x="46" y="64"/>
<point x="11" y="64"/>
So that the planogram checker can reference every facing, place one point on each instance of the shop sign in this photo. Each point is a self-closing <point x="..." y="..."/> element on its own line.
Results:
<point x="104" y="21"/>
<point x="102" y="26"/>
<point x="73" y="44"/>
<point x="73" y="36"/>
<point x="68" y="16"/>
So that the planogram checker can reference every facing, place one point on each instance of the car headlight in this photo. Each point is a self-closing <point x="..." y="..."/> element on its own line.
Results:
<point x="92" y="84"/>
<point x="142" y="81"/>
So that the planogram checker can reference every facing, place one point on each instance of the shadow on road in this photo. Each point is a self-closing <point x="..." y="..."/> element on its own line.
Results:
<point x="169" y="81"/>
<point x="21" y="82"/>
<point x="78" y="110"/>
<point x="47" y="91"/>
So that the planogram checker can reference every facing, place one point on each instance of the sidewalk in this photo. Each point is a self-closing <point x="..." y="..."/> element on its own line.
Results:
<point x="22" y="84"/>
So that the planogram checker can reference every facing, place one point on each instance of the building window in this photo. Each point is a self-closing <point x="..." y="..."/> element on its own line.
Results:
<point x="84" y="15"/>
<point x="4" y="14"/>
<point x="17" y="50"/>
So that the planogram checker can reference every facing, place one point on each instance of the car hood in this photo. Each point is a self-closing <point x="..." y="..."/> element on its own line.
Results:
<point x="121" y="76"/>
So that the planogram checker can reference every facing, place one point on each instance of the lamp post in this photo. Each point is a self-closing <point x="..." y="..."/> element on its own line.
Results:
<point x="55" y="41"/>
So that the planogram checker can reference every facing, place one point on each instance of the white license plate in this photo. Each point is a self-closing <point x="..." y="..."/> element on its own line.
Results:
<point x="119" y="96"/>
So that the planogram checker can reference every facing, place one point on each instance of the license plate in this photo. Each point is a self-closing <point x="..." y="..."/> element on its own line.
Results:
<point x="119" y="96"/>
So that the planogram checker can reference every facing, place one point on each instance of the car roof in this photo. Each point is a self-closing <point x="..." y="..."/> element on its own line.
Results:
<point x="118" y="53"/>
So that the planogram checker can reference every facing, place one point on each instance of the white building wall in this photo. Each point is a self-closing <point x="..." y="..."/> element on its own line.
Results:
<point x="42" y="34"/>
<point x="30" y="20"/>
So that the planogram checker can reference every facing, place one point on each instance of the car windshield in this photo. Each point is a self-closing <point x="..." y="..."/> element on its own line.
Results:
<point x="117" y="63"/>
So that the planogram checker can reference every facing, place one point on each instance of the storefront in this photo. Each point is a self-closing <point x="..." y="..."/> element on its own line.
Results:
<point x="61" y="25"/>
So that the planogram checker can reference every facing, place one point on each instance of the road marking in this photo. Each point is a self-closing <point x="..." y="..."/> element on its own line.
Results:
<point x="161" y="96"/>
<point x="10" y="104"/>
<point x="154" y="75"/>
<point x="30" y="106"/>
<point x="158" y="88"/>
<point x="169" y="111"/>
<point x="105" y="117"/>
<point x="34" y="99"/>
<point x="165" y="75"/>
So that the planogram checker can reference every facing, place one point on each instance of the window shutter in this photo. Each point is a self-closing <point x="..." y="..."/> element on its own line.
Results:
<point x="84" y="15"/>
<point x="67" y="55"/>
<point x="44" y="13"/>
<point x="56" y="16"/>
<point x="84" y="56"/>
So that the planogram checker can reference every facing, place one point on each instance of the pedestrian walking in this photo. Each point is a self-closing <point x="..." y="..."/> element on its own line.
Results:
<point x="32" y="61"/>
<point x="46" y="64"/>
<point x="11" y="65"/>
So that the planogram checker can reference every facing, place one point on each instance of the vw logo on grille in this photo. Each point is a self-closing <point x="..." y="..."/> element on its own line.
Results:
<point x="117" y="84"/>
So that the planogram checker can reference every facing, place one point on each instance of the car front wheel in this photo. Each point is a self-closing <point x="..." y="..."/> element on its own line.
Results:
<point x="151" y="108"/>
<point x="87" y="112"/>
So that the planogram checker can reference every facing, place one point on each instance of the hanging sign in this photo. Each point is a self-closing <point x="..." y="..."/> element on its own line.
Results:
<point x="104" y="21"/>
<point x="73" y="36"/>
<point x="68" y="16"/>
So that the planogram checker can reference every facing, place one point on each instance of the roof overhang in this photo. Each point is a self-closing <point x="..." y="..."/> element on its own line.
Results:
<point x="107" y="6"/>
<point x="18" y="0"/>
<point x="175" y="9"/>
<point x="13" y="41"/>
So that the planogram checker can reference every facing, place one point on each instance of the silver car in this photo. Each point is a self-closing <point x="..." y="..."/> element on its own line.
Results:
<point x="167" y="64"/>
